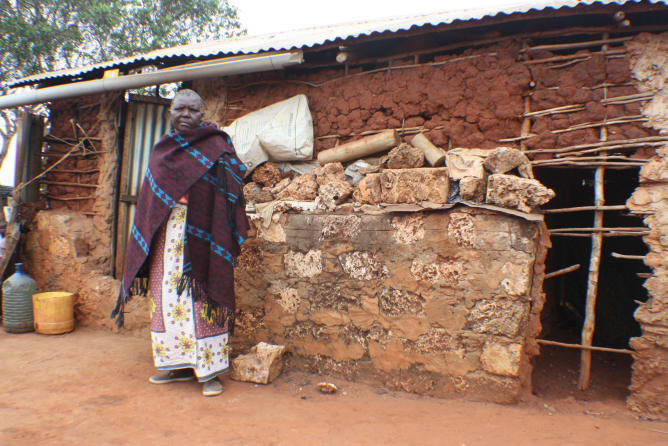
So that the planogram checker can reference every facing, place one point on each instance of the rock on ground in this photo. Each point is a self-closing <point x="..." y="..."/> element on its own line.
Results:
<point x="404" y="186"/>
<point x="268" y="174"/>
<point x="405" y="156"/>
<point x="261" y="365"/>
<point x="522" y="194"/>
<point x="302" y="188"/>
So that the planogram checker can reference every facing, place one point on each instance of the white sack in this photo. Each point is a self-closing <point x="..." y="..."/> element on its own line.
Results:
<point x="280" y="132"/>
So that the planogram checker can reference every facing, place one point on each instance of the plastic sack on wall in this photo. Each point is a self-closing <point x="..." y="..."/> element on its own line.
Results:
<point x="280" y="132"/>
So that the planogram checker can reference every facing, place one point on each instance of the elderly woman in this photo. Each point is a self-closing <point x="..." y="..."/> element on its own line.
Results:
<point x="188" y="228"/>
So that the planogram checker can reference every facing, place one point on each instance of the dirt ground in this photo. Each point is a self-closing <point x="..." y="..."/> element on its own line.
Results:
<point x="90" y="387"/>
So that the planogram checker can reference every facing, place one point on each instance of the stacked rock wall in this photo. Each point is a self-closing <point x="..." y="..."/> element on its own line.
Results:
<point x="650" y="368"/>
<point x="436" y="302"/>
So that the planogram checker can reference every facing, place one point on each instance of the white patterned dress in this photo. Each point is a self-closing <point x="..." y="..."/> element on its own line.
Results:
<point x="181" y="334"/>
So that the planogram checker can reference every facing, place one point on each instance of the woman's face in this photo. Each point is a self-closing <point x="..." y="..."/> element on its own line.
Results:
<point x="185" y="113"/>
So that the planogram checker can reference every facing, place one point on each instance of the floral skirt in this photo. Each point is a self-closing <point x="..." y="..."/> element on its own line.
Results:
<point x="181" y="334"/>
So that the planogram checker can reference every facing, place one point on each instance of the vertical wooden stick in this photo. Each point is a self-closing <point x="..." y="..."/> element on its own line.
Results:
<point x="594" y="262"/>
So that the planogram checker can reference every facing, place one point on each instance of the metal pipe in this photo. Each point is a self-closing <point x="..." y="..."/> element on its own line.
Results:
<point x="199" y="70"/>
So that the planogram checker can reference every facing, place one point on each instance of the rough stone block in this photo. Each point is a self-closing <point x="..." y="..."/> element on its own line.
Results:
<point x="473" y="189"/>
<point x="303" y="188"/>
<point x="254" y="193"/>
<point x="404" y="186"/>
<point x="261" y="365"/>
<point x="466" y="163"/>
<point x="519" y="193"/>
<point x="505" y="159"/>
<point x="328" y="173"/>
<point x="333" y="193"/>
<point x="501" y="359"/>
<point x="405" y="156"/>
<point x="267" y="174"/>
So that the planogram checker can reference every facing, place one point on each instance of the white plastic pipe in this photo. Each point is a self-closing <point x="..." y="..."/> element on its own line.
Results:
<point x="220" y="67"/>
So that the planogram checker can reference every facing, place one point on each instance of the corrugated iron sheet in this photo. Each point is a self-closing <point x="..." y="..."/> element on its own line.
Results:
<point x="146" y="123"/>
<point x="310" y="37"/>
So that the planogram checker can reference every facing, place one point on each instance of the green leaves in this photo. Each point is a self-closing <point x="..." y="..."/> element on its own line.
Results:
<point x="46" y="35"/>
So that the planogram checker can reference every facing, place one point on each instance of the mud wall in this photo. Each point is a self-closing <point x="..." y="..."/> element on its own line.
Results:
<point x="69" y="247"/>
<point x="650" y="368"/>
<point x="436" y="302"/>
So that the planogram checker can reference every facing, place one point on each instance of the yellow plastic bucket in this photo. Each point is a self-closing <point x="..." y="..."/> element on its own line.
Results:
<point x="53" y="312"/>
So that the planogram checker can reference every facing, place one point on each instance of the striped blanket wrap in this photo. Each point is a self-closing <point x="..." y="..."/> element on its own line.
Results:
<point x="202" y="163"/>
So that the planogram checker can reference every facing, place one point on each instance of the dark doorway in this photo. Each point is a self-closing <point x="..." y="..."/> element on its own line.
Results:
<point x="619" y="287"/>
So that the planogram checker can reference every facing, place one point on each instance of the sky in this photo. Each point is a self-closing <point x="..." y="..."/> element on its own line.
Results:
<point x="266" y="16"/>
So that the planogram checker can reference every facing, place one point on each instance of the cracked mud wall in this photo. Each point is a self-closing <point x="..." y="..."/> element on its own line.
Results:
<point x="440" y="303"/>
<point x="649" y="385"/>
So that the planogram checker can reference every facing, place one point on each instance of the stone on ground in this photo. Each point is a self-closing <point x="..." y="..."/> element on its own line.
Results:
<point x="261" y="365"/>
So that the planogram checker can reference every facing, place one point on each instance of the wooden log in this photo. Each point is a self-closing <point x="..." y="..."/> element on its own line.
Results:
<point x="559" y="272"/>
<point x="360" y="148"/>
<point x="620" y="207"/>
<point x="584" y="347"/>
<point x="434" y="155"/>
<point x="627" y="256"/>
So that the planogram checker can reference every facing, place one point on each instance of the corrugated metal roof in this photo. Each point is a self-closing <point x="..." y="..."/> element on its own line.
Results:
<point x="310" y="37"/>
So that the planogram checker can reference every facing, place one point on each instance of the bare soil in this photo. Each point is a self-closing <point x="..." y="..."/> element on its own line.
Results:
<point x="90" y="387"/>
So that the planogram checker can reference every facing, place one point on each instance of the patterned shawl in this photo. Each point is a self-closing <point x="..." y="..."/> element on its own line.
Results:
<point x="201" y="162"/>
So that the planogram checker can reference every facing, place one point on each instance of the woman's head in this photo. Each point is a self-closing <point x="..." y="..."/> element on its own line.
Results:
<point x="186" y="111"/>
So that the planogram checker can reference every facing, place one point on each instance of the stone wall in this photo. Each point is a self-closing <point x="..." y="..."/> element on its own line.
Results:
<point x="433" y="302"/>
<point x="650" y="368"/>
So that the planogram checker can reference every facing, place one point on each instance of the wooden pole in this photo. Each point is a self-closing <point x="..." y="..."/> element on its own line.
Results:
<point x="620" y="207"/>
<point x="594" y="262"/>
<point x="584" y="347"/>
<point x="559" y="272"/>
<point x="627" y="256"/>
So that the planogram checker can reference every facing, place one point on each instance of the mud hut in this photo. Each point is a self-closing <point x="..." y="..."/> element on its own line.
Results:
<point x="452" y="297"/>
